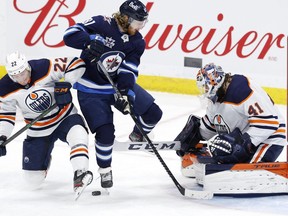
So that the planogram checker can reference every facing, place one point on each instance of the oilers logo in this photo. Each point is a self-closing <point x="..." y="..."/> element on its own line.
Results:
<point x="39" y="100"/>
<point x="220" y="125"/>
<point x="112" y="61"/>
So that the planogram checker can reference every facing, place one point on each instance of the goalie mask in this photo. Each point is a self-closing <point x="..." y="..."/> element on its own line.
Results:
<point x="18" y="68"/>
<point x="209" y="79"/>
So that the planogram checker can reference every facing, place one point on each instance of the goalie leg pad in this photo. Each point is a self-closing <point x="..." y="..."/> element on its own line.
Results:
<point x="189" y="159"/>
<point x="243" y="179"/>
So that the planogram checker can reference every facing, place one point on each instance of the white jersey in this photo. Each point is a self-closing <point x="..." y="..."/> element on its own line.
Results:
<point x="248" y="107"/>
<point x="38" y="95"/>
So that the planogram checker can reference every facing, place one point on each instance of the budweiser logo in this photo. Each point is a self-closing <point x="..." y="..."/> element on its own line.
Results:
<point x="191" y="39"/>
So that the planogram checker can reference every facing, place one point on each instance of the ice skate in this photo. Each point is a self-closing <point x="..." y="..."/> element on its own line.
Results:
<point x="136" y="137"/>
<point x="81" y="180"/>
<point x="106" y="177"/>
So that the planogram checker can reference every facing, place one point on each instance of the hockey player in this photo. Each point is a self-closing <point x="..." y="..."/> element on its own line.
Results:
<point x="32" y="87"/>
<point x="241" y="124"/>
<point x="118" y="44"/>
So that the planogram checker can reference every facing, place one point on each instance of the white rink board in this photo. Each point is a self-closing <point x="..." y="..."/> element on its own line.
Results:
<point x="37" y="33"/>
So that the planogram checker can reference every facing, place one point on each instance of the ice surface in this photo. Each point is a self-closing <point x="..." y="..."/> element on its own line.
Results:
<point x="141" y="185"/>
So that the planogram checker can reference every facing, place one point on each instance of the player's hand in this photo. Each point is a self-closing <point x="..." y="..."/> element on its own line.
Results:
<point x="234" y="147"/>
<point x="95" y="49"/>
<point x="62" y="94"/>
<point x="125" y="103"/>
<point x="2" y="148"/>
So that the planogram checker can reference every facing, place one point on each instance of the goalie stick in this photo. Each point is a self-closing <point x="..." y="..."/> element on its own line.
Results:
<point x="184" y="191"/>
<point x="29" y="125"/>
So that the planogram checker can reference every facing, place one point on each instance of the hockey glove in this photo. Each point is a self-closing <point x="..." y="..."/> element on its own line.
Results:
<point x="234" y="147"/>
<point x="95" y="49"/>
<point x="189" y="136"/>
<point x="2" y="148"/>
<point x="62" y="94"/>
<point x="125" y="103"/>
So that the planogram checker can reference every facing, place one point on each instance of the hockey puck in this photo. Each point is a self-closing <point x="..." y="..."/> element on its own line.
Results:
<point x="96" y="193"/>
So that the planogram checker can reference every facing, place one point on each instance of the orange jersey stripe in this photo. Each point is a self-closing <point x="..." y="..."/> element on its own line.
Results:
<point x="74" y="63"/>
<point x="41" y="124"/>
<point x="7" y="117"/>
<point x="264" y="122"/>
<point x="280" y="131"/>
<point x="260" y="153"/>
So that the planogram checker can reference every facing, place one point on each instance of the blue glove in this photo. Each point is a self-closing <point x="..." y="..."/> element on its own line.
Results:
<point x="95" y="49"/>
<point x="2" y="148"/>
<point x="62" y="94"/>
<point x="125" y="103"/>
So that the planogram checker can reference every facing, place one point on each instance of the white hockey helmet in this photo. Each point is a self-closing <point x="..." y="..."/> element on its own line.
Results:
<point x="16" y="63"/>
<point x="209" y="79"/>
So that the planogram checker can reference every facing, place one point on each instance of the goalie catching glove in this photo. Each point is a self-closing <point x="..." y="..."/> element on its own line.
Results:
<point x="125" y="103"/>
<point x="2" y="148"/>
<point x="234" y="147"/>
<point x="62" y="94"/>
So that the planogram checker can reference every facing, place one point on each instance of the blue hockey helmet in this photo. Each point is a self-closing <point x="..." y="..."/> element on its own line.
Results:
<point x="209" y="79"/>
<point x="134" y="9"/>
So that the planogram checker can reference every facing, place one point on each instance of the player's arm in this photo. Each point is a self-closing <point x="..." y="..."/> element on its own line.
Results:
<point x="71" y="69"/>
<point x="127" y="76"/>
<point x="79" y="35"/>
<point x="263" y="118"/>
<point x="7" y="122"/>
<point x="85" y="36"/>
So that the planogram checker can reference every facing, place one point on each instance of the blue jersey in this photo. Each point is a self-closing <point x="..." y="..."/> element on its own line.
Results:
<point x="130" y="48"/>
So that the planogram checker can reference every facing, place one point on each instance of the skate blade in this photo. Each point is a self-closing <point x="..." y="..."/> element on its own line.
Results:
<point x="86" y="181"/>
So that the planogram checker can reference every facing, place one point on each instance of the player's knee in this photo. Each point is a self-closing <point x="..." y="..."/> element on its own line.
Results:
<point x="105" y="133"/>
<point x="34" y="178"/>
<point x="77" y="134"/>
<point x="153" y="114"/>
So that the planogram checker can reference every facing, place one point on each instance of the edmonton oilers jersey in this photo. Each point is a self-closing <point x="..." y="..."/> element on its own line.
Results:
<point x="248" y="107"/>
<point x="122" y="49"/>
<point x="38" y="95"/>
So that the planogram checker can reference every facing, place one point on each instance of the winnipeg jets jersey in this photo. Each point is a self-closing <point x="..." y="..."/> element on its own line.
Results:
<point x="248" y="107"/>
<point x="120" y="48"/>
<point x="38" y="95"/>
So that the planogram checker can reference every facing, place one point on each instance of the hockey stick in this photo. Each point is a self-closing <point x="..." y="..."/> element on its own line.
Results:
<point x="144" y="146"/>
<point x="184" y="191"/>
<point x="29" y="125"/>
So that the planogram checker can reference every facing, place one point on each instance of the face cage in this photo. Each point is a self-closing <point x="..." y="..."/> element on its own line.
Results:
<point x="205" y="88"/>
<point x="136" y="24"/>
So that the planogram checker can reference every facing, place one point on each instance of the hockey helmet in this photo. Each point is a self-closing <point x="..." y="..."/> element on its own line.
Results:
<point x="16" y="63"/>
<point x="209" y="79"/>
<point x="134" y="9"/>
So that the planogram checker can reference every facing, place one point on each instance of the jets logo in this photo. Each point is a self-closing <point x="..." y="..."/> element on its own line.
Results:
<point x="39" y="100"/>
